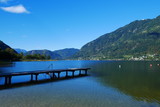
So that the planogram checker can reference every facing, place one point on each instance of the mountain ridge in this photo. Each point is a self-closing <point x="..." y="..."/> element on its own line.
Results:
<point x="4" y="46"/>
<point x="44" y="52"/>
<point x="136" y="39"/>
<point x="61" y="54"/>
<point x="66" y="53"/>
<point x="18" y="50"/>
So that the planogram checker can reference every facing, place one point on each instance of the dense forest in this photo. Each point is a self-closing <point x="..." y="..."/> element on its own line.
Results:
<point x="10" y="55"/>
<point x="139" y="40"/>
<point x="56" y="55"/>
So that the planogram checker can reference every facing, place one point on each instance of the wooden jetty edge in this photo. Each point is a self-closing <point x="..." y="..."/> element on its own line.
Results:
<point x="8" y="76"/>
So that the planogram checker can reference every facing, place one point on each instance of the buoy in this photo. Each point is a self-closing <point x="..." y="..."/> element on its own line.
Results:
<point x="119" y="66"/>
<point x="150" y="65"/>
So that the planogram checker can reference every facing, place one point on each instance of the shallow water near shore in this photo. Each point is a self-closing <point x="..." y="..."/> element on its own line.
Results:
<point x="109" y="84"/>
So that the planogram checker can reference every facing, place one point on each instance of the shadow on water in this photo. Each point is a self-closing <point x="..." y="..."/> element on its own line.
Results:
<point x="19" y="81"/>
<point x="139" y="79"/>
<point x="3" y="65"/>
<point x="42" y="81"/>
<point x="6" y="64"/>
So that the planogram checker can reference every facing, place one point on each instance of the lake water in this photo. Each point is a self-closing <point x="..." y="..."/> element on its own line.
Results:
<point x="110" y="84"/>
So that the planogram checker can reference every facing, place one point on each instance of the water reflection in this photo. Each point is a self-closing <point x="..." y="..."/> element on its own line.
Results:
<point x="4" y="65"/>
<point x="37" y="65"/>
<point x="141" y="80"/>
<point x="137" y="79"/>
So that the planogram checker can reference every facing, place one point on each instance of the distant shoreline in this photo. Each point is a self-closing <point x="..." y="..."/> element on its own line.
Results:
<point x="75" y="60"/>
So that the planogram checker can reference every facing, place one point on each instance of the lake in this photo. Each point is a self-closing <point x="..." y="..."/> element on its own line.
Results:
<point x="109" y="84"/>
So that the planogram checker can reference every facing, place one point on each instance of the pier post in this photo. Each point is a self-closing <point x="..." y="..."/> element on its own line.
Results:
<point x="31" y="77"/>
<point x="80" y="72"/>
<point x="59" y="74"/>
<point x="73" y="73"/>
<point x="53" y="75"/>
<point x="36" y="77"/>
<point x="9" y="80"/>
<point x="66" y="73"/>
<point x="86" y="72"/>
<point x="6" y="79"/>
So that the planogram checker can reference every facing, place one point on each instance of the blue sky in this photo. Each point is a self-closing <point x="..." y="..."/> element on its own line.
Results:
<point x="58" y="24"/>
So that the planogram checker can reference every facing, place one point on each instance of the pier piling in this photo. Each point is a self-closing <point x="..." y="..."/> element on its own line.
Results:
<point x="8" y="76"/>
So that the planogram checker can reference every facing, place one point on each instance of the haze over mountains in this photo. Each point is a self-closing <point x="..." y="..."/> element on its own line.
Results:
<point x="58" y="54"/>
<point x="138" y="40"/>
<point x="18" y="50"/>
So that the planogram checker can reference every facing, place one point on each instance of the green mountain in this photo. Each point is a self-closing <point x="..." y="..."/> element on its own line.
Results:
<point x="7" y="53"/>
<point x="66" y="53"/>
<point x="44" y="52"/>
<point x="137" y="40"/>
<point x="4" y="46"/>
<point x="58" y="54"/>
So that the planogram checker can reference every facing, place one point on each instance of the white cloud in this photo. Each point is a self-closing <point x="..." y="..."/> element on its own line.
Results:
<point x="4" y="1"/>
<point x="15" y="9"/>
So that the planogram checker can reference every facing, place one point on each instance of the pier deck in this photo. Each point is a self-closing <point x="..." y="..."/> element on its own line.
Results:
<point x="52" y="73"/>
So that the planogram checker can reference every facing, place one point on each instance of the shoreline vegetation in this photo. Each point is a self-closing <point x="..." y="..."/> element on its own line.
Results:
<point x="10" y="55"/>
<point x="36" y="60"/>
<point x="143" y="57"/>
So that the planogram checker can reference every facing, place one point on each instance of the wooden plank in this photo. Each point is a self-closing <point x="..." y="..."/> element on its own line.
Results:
<point x="42" y="71"/>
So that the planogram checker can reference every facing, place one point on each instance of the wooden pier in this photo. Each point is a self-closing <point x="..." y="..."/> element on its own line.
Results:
<point x="52" y="73"/>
